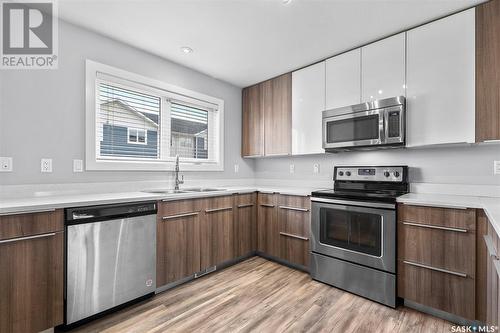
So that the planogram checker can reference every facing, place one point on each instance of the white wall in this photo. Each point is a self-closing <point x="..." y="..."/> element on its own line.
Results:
<point x="471" y="165"/>
<point x="42" y="112"/>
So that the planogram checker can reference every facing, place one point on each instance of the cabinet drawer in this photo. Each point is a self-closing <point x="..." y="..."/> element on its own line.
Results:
<point x="441" y="248"/>
<point x="21" y="225"/>
<point x="436" y="289"/>
<point x="294" y="202"/>
<point x="443" y="217"/>
<point x="167" y="209"/>
<point x="245" y="200"/>
<point x="267" y="199"/>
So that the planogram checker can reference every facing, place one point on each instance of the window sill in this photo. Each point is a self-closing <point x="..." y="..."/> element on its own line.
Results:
<point x="103" y="165"/>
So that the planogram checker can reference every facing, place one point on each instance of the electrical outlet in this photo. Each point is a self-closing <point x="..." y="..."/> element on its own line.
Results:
<point x="496" y="167"/>
<point x="316" y="168"/>
<point x="236" y="168"/>
<point x="77" y="166"/>
<point x="292" y="168"/>
<point x="46" y="165"/>
<point x="5" y="164"/>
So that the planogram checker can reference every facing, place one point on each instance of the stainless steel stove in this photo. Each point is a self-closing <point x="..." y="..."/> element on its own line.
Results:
<point x="353" y="231"/>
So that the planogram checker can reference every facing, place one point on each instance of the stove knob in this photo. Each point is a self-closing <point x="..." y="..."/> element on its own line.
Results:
<point x="348" y="173"/>
<point x="396" y="174"/>
<point x="341" y="173"/>
<point x="386" y="173"/>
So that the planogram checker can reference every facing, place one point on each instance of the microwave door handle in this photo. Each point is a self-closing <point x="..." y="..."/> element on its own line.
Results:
<point x="382" y="126"/>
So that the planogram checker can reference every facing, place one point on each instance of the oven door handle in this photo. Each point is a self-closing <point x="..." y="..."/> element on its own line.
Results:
<point x="355" y="203"/>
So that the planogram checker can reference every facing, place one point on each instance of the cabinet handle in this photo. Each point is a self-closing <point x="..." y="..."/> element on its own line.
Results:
<point x="435" y="227"/>
<point x="245" y="205"/>
<point x="491" y="248"/>
<point x="50" y="234"/>
<point x="218" y="209"/>
<point x="267" y="205"/>
<point x="294" y="208"/>
<point x="171" y="217"/>
<point x="29" y="212"/>
<point x="293" y="236"/>
<point x="435" y="269"/>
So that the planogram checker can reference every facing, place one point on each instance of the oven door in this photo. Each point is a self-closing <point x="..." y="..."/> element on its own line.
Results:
<point x="362" y="235"/>
<point x="364" y="128"/>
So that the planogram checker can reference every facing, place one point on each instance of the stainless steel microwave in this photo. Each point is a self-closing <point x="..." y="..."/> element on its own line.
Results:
<point x="376" y="124"/>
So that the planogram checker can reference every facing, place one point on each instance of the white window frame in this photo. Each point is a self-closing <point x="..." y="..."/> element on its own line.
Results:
<point x="137" y="130"/>
<point x="96" y="72"/>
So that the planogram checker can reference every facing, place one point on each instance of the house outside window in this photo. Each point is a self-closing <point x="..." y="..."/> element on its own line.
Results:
<point x="137" y="136"/>
<point x="136" y="123"/>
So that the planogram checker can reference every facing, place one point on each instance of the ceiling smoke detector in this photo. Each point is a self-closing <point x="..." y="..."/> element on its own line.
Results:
<point x="186" y="49"/>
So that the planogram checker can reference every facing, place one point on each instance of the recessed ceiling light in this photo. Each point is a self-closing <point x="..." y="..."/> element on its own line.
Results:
<point x="286" y="2"/>
<point x="186" y="49"/>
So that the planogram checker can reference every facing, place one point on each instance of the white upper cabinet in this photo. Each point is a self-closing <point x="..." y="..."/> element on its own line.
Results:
<point x="308" y="102"/>
<point x="343" y="79"/>
<point x="383" y="68"/>
<point x="441" y="81"/>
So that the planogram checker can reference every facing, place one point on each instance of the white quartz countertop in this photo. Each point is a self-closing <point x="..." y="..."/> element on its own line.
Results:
<point x="490" y="205"/>
<point x="44" y="202"/>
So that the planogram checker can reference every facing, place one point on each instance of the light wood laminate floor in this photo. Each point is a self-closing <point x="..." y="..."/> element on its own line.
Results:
<point x="258" y="295"/>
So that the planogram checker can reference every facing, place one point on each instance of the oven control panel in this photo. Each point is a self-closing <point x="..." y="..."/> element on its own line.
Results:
<point x="375" y="174"/>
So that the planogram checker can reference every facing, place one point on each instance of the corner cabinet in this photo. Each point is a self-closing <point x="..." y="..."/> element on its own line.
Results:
<point x="441" y="81"/>
<point x="267" y="118"/>
<point x="488" y="71"/>
<point x="32" y="272"/>
<point x="308" y="103"/>
<point x="252" y="140"/>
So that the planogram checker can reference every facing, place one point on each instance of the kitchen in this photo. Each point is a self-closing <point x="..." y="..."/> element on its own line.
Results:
<point x="300" y="172"/>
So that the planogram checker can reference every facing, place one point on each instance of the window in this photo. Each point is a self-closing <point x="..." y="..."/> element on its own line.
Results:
<point x="137" y="136"/>
<point x="136" y="123"/>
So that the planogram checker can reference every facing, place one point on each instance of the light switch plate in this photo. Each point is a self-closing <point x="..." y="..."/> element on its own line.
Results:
<point x="77" y="166"/>
<point x="236" y="168"/>
<point x="5" y="164"/>
<point x="316" y="168"/>
<point x="46" y="165"/>
<point x="292" y="168"/>
<point x="496" y="167"/>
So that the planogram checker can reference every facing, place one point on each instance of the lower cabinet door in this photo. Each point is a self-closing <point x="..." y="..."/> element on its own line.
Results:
<point x="437" y="289"/>
<point x="268" y="239"/>
<point x="31" y="283"/>
<point x="245" y="226"/>
<point x="178" y="241"/>
<point x="217" y="231"/>
<point x="294" y="224"/>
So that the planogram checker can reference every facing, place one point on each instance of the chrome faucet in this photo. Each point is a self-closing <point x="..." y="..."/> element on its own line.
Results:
<point x="177" y="181"/>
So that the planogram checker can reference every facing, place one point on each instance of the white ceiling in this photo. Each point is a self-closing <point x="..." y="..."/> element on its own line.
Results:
<point x="247" y="41"/>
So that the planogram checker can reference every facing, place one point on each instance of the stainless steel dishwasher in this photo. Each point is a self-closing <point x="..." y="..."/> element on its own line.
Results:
<point x="110" y="258"/>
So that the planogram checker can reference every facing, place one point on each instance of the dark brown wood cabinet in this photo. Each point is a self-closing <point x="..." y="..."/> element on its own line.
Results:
<point x="437" y="258"/>
<point x="252" y="141"/>
<point x="267" y="224"/>
<point x="217" y="231"/>
<point x="488" y="71"/>
<point x="488" y="272"/>
<point x="277" y="103"/>
<point x="267" y="118"/>
<point x="245" y="224"/>
<point x="178" y="240"/>
<point x="32" y="271"/>
<point x="294" y="229"/>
